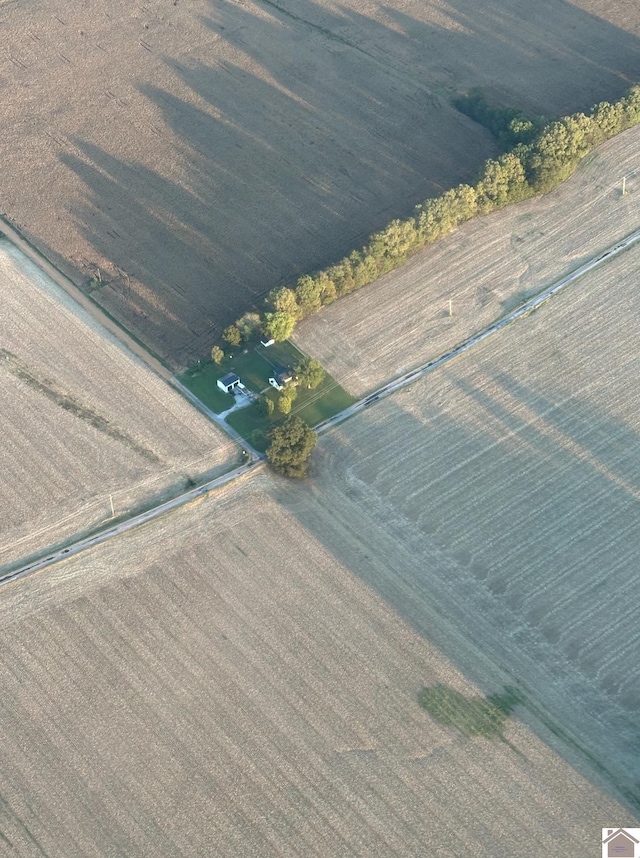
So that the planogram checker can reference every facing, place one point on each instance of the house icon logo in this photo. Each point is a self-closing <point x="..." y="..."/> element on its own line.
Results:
<point x="621" y="843"/>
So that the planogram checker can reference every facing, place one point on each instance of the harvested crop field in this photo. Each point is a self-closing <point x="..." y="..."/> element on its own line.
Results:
<point x="204" y="686"/>
<point x="485" y="268"/>
<point x="182" y="158"/>
<point x="83" y="422"/>
<point x="505" y="489"/>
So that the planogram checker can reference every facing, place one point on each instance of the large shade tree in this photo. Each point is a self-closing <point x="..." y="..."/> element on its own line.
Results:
<point x="291" y="446"/>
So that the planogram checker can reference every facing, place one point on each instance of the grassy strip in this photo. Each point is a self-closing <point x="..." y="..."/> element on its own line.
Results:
<point x="254" y="366"/>
<point x="313" y="406"/>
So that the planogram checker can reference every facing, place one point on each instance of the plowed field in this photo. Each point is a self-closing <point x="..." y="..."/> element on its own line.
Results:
<point x="220" y="683"/>
<point x="83" y="423"/>
<point x="188" y="156"/>
<point x="506" y="489"/>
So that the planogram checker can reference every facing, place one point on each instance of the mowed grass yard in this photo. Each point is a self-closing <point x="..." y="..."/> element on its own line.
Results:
<point x="219" y="682"/>
<point x="254" y="364"/>
<point x="504" y="491"/>
<point x="185" y="158"/>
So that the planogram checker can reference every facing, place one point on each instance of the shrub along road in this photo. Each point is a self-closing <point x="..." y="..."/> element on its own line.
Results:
<point x="256" y="460"/>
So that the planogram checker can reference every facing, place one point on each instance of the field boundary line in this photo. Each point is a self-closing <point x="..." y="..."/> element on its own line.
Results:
<point x="520" y="312"/>
<point x="257" y="459"/>
<point x="126" y="339"/>
<point x="128" y="524"/>
<point x="13" y="234"/>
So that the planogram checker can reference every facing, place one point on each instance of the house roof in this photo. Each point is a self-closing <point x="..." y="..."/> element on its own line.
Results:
<point x="620" y="831"/>
<point x="282" y="372"/>
<point x="229" y="378"/>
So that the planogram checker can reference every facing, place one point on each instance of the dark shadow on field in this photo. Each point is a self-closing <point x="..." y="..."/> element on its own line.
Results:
<point x="301" y="131"/>
<point x="550" y="58"/>
<point x="450" y="550"/>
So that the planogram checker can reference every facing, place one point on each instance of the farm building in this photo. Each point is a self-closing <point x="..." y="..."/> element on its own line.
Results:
<point x="228" y="382"/>
<point x="282" y="376"/>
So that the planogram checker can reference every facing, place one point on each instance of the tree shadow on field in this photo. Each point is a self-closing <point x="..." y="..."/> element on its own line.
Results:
<point x="313" y="142"/>
<point x="509" y="543"/>
<point x="299" y="130"/>
<point x="150" y="230"/>
<point x="550" y="58"/>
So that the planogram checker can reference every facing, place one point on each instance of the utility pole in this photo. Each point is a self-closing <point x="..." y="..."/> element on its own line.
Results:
<point x="624" y="185"/>
<point x="113" y="512"/>
<point x="450" y="308"/>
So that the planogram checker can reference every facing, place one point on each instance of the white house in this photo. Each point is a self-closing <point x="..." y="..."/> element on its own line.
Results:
<point x="282" y="376"/>
<point x="228" y="382"/>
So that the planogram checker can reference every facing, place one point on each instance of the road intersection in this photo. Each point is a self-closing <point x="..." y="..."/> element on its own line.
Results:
<point x="257" y="460"/>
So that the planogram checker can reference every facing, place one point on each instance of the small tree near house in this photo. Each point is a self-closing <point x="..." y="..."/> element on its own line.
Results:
<point x="266" y="405"/>
<point x="248" y="326"/>
<point x="309" y="373"/>
<point x="232" y="336"/>
<point x="279" y="325"/>
<point x="286" y="399"/>
<point x="217" y="355"/>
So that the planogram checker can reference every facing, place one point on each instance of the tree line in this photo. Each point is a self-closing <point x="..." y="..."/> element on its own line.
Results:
<point x="537" y="156"/>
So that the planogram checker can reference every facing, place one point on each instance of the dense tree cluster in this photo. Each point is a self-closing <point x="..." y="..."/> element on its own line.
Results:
<point x="538" y="156"/>
<point x="309" y="373"/>
<point x="291" y="445"/>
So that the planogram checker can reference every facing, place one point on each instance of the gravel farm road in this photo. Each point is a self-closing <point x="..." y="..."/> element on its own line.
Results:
<point x="257" y="460"/>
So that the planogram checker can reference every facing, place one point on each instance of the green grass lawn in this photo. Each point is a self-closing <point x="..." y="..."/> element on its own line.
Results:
<point x="254" y="369"/>
<point x="313" y="406"/>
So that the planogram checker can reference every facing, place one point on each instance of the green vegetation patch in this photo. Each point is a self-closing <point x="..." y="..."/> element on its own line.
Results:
<point x="201" y="381"/>
<point x="291" y="445"/>
<point x="313" y="406"/>
<point x="253" y="365"/>
<point x="471" y="715"/>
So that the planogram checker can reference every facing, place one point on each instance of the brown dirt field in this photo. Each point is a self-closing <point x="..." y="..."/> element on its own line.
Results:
<point x="199" y="153"/>
<point x="82" y="419"/>
<point x="204" y="686"/>
<point x="485" y="268"/>
<point x="504" y="489"/>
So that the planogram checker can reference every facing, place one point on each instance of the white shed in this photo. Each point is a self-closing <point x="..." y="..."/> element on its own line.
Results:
<point x="228" y="382"/>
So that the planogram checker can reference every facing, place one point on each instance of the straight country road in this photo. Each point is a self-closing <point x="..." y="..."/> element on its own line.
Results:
<point x="130" y="523"/>
<point x="521" y="311"/>
<point x="257" y="460"/>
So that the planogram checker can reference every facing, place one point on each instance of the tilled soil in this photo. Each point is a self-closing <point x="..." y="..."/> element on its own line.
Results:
<point x="181" y="158"/>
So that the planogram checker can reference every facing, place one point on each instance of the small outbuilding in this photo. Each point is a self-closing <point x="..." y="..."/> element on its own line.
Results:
<point x="228" y="382"/>
<point x="267" y="341"/>
<point x="282" y="376"/>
